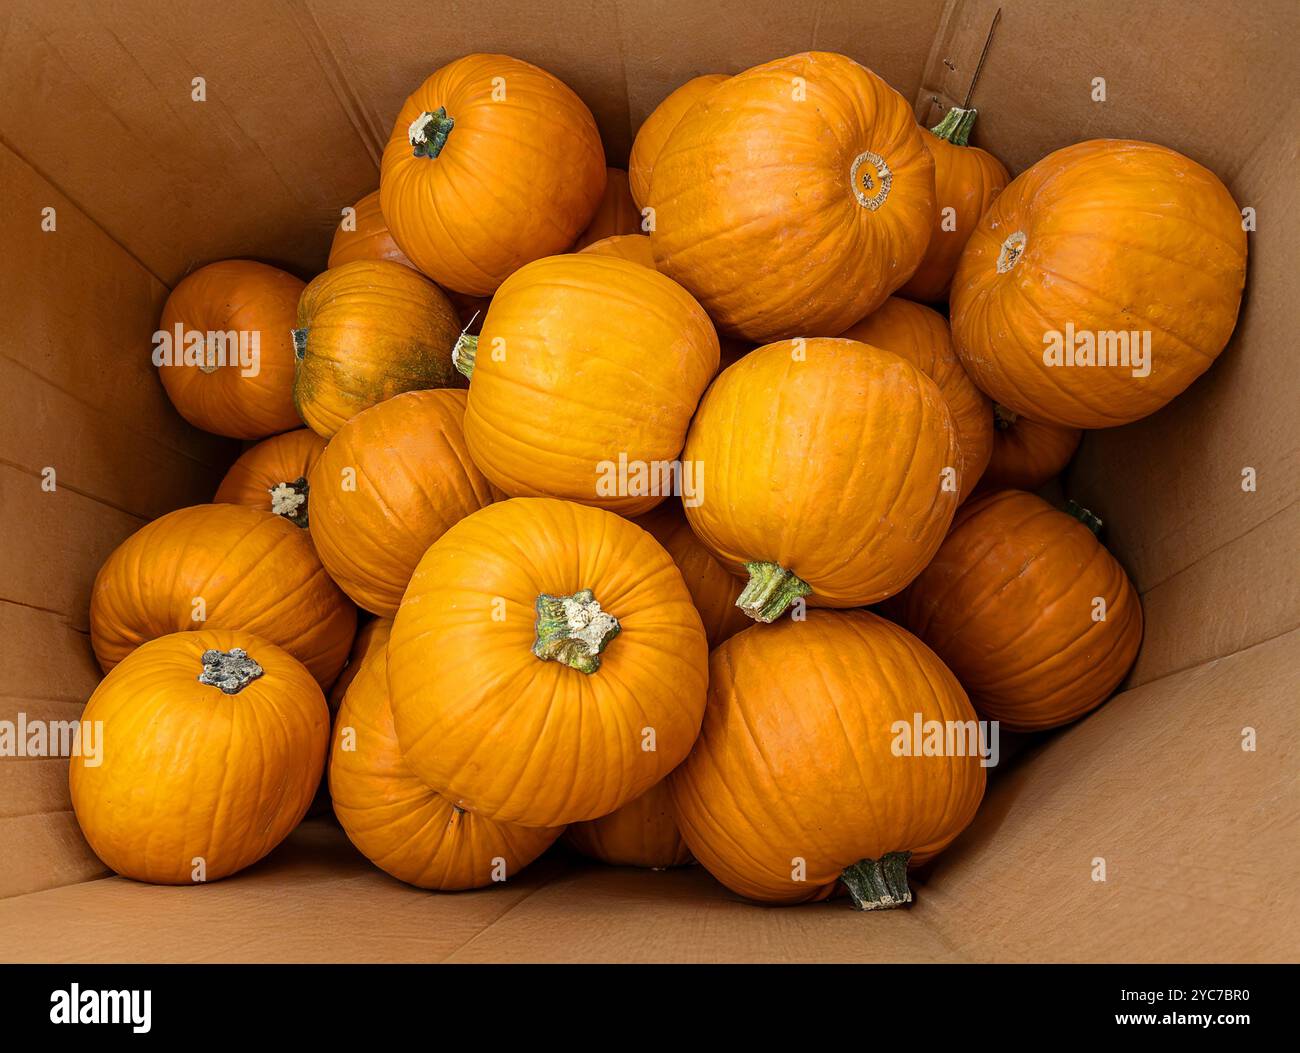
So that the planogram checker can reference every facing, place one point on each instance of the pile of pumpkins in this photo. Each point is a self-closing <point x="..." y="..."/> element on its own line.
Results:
<point x="615" y="463"/>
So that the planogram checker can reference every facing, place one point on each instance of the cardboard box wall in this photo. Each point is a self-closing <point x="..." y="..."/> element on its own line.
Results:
<point x="1201" y="839"/>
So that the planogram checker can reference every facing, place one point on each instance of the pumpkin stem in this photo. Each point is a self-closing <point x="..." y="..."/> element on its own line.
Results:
<point x="878" y="884"/>
<point x="770" y="591"/>
<point x="231" y="671"/>
<point x="428" y="132"/>
<point x="956" y="126"/>
<point x="1085" y="517"/>
<point x="1003" y="418"/>
<point x="464" y="353"/>
<point x="290" y="500"/>
<point x="573" y="630"/>
<point x="299" y="344"/>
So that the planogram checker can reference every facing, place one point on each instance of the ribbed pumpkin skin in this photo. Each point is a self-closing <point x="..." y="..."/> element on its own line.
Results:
<point x="280" y="459"/>
<point x="1027" y="454"/>
<point x="239" y="296"/>
<point x="369" y="240"/>
<point x="518" y="178"/>
<point x="256" y="573"/>
<point x="656" y="128"/>
<point x="373" y="330"/>
<point x="395" y="821"/>
<point x="966" y="179"/>
<point x="601" y="356"/>
<point x="633" y="247"/>
<point x="756" y="198"/>
<point x="372" y="636"/>
<point x="1119" y="236"/>
<point x="643" y="833"/>
<point x="795" y="757"/>
<point x="1008" y="603"/>
<point x="189" y="771"/>
<point x="413" y="480"/>
<point x="839" y="475"/>
<point x="713" y="588"/>
<point x="921" y="336"/>
<point x="518" y="739"/>
<point x="616" y="214"/>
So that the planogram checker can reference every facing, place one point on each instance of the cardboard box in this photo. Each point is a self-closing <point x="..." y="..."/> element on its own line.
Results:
<point x="1201" y="838"/>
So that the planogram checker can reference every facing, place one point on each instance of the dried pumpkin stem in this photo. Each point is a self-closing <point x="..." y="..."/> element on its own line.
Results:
<point x="299" y="344"/>
<point x="770" y="591"/>
<point x="1004" y="418"/>
<point x="464" y="354"/>
<point x="230" y="671"/>
<point x="428" y="132"/>
<point x="1085" y="517"/>
<point x="573" y="630"/>
<point x="956" y="126"/>
<point x="290" y="501"/>
<point x="879" y="884"/>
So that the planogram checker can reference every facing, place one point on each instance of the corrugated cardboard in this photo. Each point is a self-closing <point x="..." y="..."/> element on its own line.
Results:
<point x="1201" y="839"/>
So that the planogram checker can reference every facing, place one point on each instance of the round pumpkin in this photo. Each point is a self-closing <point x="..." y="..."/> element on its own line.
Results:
<point x="921" y="336"/>
<point x="492" y="163"/>
<point x="367" y="331"/>
<point x="829" y="473"/>
<point x="1100" y="284"/>
<point x="714" y="589"/>
<point x="1026" y="454"/>
<point x="656" y="128"/>
<point x="643" y="833"/>
<point x="227" y="362"/>
<point x="1036" y="618"/>
<point x="966" y="180"/>
<point x="793" y="198"/>
<point x="273" y="474"/>
<point x="616" y="214"/>
<point x="371" y="637"/>
<point x="214" y="742"/>
<point x="368" y="238"/>
<point x="634" y="247"/>
<point x="389" y="484"/>
<point x="546" y="665"/>
<point x="809" y="771"/>
<point x="584" y="381"/>
<point x="398" y="823"/>
<point x="221" y="567"/>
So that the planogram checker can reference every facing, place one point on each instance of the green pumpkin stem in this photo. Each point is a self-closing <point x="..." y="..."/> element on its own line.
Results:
<point x="956" y="126"/>
<point x="1004" y="418"/>
<point x="290" y="501"/>
<point x="878" y="884"/>
<point x="770" y="591"/>
<point x="299" y="343"/>
<point x="464" y="353"/>
<point x="573" y="630"/>
<point x="230" y="671"/>
<point x="428" y="132"/>
<point x="1085" y="517"/>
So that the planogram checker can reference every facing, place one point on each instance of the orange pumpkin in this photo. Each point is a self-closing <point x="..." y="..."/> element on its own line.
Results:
<point x="966" y="180"/>
<point x="713" y="588"/>
<point x="272" y="475"/>
<point x="634" y="247"/>
<point x="546" y="665"/>
<point x="616" y="214"/>
<point x="368" y="238"/>
<point x="593" y="368"/>
<point x="226" y="353"/>
<point x="1101" y="283"/>
<point x="643" y="833"/>
<point x="492" y="163"/>
<point x="221" y="567"/>
<point x="214" y="745"/>
<point x="793" y="211"/>
<point x="656" y="128"/>
<point x="389" y="484"/>
<point x="828" y="473"/>
<point x="809" y="771"/>
<point x="368" y="331"/>
<point x="1026" y="454"/>
<point x="1036" y="618"/>
<point x="371" y="637"/>
<point x="921" y="336"/>
<point x="398" y="823"/>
